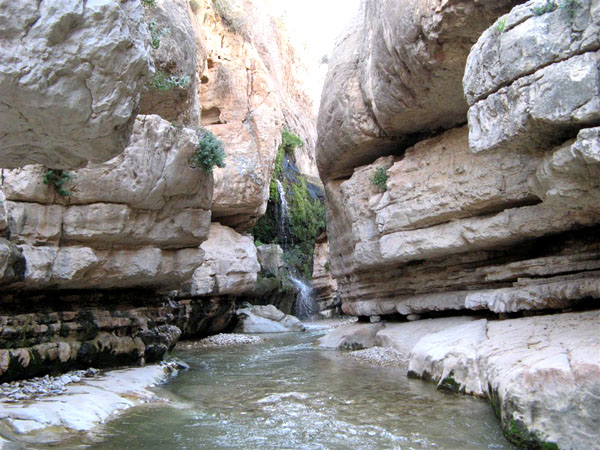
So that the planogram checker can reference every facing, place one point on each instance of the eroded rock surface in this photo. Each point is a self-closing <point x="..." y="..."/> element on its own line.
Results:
<point x="136" y="220"/>
<point x="70" y="81"/>
<point x="266" y="319"/>
<point x="230" y="264"/>
<point x="501" y="215"/>
<point x="249" y="93"/>
<point x="324" y="285"/>
<point x="394" y="74"/>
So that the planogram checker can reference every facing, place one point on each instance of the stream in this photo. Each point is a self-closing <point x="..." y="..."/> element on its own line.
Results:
<point x="286" y="393"/>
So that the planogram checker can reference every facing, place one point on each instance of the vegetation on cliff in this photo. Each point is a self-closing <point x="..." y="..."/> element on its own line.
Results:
<point x="306" y="209"/>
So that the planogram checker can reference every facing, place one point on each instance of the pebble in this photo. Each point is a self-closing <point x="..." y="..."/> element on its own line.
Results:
<point x="380" y="356"/>
<point x="35" y="388"/>
<point x="223" y="340"/>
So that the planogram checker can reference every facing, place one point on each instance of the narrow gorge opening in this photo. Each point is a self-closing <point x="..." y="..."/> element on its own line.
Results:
<point x="300" y="224"/>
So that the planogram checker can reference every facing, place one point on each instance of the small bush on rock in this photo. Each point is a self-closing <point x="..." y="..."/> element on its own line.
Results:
<point x="163" y="82"/>
<point x="501" y="25"/>
<point x="156" y="34"/>
<point x="379" y="179"/>
<point x="550" y="6"/>
<point x="210" y="151"/>
<point x="149" y="3"/>
<point x="194" y="5"/>
<point x="232" y="17"/>
<point x="58" y="178"/>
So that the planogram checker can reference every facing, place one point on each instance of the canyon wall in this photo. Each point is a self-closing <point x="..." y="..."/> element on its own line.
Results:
<point x="118" y="245"/>
<point x="461" y="172"/>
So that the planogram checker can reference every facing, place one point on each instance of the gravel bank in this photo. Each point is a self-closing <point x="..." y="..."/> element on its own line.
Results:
<point x="222" y="340"/>
<point x="379" y="356"/>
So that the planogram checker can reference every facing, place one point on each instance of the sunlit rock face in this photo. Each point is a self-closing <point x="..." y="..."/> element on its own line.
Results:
<point x="499" y="215"/>
<point x="177" y="50"/>
<point x="134" y="221"/>
<point x="71" y="75"/>
<point x="249" y="92"/>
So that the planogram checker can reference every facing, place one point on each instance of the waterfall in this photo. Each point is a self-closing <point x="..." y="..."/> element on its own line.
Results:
<point x="306" y="306"/>
<point x="284" y="234"/>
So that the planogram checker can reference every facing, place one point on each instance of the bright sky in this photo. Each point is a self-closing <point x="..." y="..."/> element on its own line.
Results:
<point x="313" y="26"/>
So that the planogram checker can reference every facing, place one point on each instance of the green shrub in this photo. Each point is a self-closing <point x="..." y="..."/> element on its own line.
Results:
<point x="327" y="267"/>
<point x="550" y="6"/>
<point x="156" y="34"/>
<point x="570" y="6"/>
<point x="58" y="178"/>
<point x="501" y="25"/>
<point x="210" y="151"/>
<point x="162" y="82"/>
<point x="379" y="179"/>
<point x="289" y="140"/>
<point x="194" y="5"/>
<point x="149" y="3"/>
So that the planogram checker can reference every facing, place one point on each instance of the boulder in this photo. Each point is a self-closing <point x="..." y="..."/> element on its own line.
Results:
<point x="266" y="319"/>
<point x="270" y="257"/>
<point x="71" y="77"/>
<point x="395" y="73"/>
<point x="230" y="265"/>
<point x="351" y="336"/>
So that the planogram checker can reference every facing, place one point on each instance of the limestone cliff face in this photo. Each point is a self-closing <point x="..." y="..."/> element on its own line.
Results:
<point x="248" y="93"/>
<point x="127" y="223"/>
<point x="396" y="75"/>
<point x="71" y="75"/>
<point x="501" y="215"/>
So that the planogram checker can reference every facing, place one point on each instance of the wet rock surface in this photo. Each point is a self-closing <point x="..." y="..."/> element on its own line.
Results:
<point x="540" y="373"/>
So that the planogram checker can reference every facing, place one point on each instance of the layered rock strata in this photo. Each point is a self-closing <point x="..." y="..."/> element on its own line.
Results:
<point x="136" y="220"/>
<point x="540" y="373"/>
<point x="395" y="75"/>
<point x="499" y="216"/>
<point x="70" y="80"/>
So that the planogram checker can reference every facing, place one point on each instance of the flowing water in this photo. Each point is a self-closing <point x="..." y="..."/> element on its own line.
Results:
<point x="288" y="394"/>
<point x="283" y="232"/>
<point x="306" y="306"/>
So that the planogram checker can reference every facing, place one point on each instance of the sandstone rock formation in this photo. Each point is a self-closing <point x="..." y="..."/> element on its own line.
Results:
<point x="70" y="80"/>
<point x="230" y="265"/>
<point x="500" y="216"/>
<point x="178" y="53"/>
<point x="395" y="75"/>
<point x="324" y="285"/>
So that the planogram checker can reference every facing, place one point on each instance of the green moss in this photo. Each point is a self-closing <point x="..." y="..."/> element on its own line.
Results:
<point x="449" y="383"/>
<point x="517" y="433"/>
<point x="156" y="34"/>
<point x="306" y="214"/>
